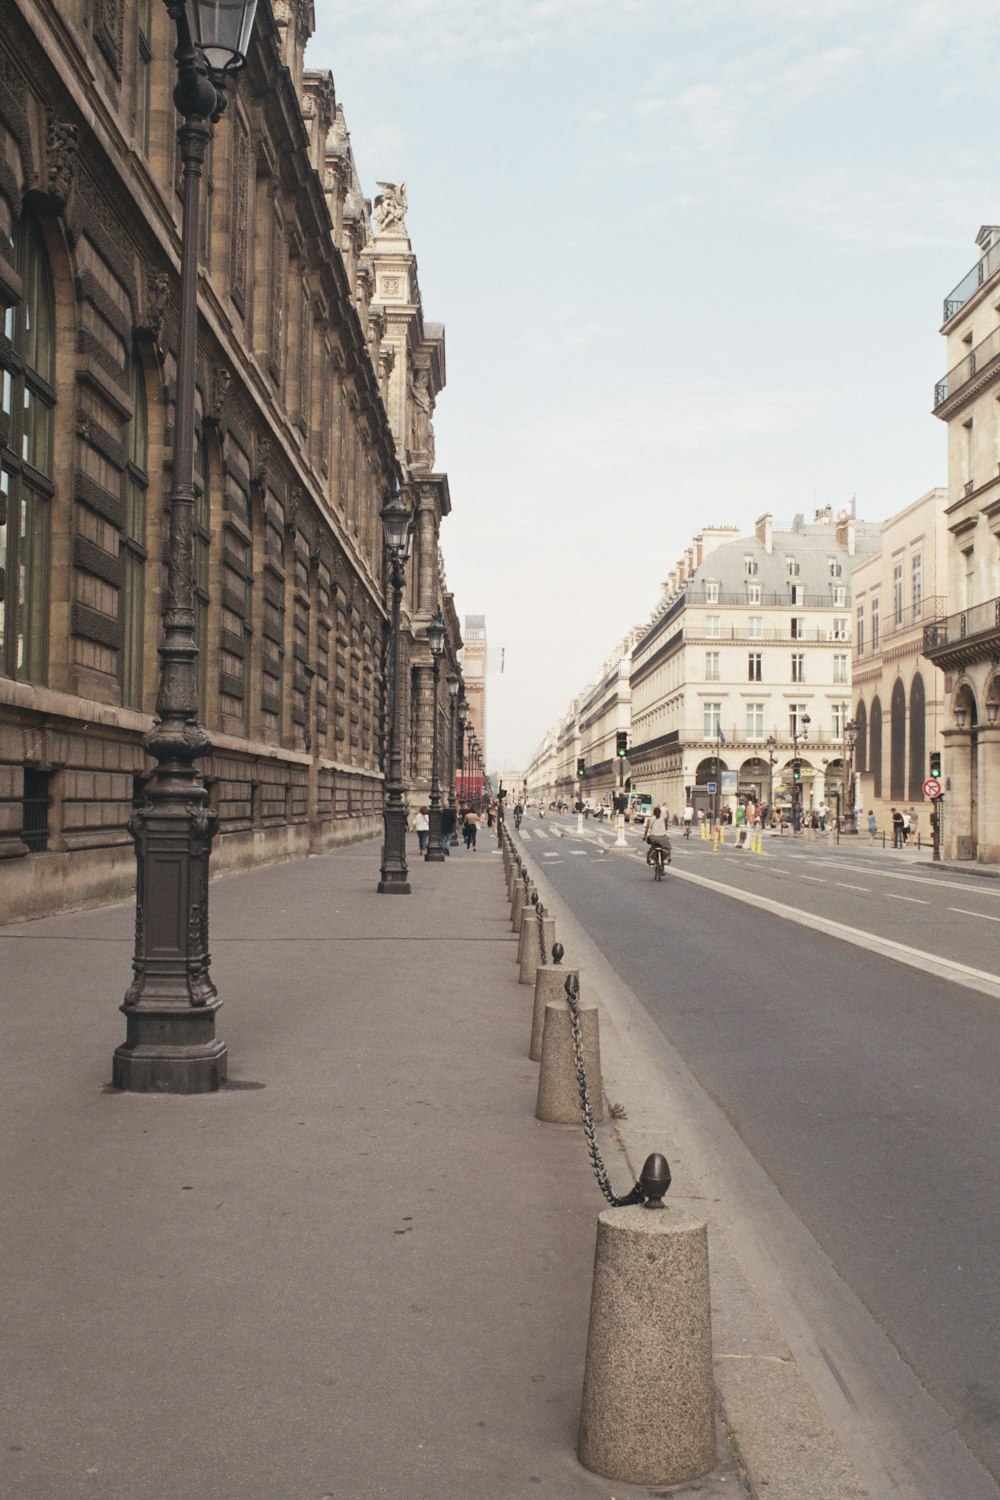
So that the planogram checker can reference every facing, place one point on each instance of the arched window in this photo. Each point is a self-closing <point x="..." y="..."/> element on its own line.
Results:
<point x="897" y="743"/>
<point x="875" y="746"/>
<point x="918" y="739"/>
<point x="861" y="738"/>
<point x="135" y="483"/>
<point x="28" y="401"/>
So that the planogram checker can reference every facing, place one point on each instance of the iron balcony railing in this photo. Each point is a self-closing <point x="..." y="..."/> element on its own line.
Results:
<point x="913" y="615"/>
<point x="700" y="597"/>
<point x="978" y="619"/>
<point x="981" y="273"/>
<point x="766" y="637"/>
<point x="973" y="364"/>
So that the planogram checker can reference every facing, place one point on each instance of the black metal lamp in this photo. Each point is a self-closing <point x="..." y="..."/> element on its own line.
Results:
<point x="170" y="1044"/>
<point x="850" y="822"/>
<point x="453" y="685"/>
<point x="397" y="530"/>
<point x="960" y="717"/>
<point x="434" y="851"/>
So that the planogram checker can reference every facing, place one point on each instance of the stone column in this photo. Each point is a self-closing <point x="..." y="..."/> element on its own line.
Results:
<point x="427" y="542"/>
<point x="988" y="803"/>
<point x="958" y="794"/>
<point x="423" y="726"/>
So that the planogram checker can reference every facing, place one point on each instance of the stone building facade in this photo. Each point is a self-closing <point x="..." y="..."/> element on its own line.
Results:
<point x="316" y="382"/>
<point x="964" y="642"/>
<point x="898" y="699"/>
<point x="750" y="644"/>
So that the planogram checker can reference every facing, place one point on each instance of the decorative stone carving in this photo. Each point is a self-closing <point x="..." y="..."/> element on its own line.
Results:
<point x="423" y="428"/>
<point x="221" y="381"/>
<point x="157" y="293"/>
<point x="62" y="143"/>
<point x="390" y="208"/>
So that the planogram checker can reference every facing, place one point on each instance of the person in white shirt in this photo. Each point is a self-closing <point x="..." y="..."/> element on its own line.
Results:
<point x="688" y="819"/>
<point x="656" y="835"/>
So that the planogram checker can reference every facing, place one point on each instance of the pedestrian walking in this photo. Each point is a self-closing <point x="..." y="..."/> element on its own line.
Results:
<point x="897" y="828"/>
<point x="872" y="828"/>
<point x="447" y="827"/>
<point x="470" y="827"/>
<point x="421" y="827"/>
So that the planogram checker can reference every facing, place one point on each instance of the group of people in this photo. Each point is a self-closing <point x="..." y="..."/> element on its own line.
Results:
<point x="466" y="819"/>
<point x="904" y="826"/>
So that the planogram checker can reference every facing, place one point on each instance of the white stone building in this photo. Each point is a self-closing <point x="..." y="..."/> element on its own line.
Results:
<point x="746" y="667"/>
<point x="965" y="642"/>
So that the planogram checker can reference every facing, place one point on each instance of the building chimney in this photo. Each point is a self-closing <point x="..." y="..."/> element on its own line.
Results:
<point x="765" y="533"/>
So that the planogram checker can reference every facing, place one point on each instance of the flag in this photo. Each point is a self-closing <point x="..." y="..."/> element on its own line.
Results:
<point x="722" y="737"/>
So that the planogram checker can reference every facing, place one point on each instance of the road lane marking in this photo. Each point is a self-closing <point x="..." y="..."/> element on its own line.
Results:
<point x="846" y="885"/>
<point x="917" y="900"/>
<point x="966" y="913"/>
<point x="915" y="958"/>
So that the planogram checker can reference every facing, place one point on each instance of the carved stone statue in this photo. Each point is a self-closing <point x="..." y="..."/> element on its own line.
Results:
<point x="423" y="410"/>
<point x="390" y="208"/>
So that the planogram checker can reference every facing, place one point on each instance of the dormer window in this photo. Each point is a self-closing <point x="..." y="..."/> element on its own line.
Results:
<point x="711" y="591"/>
<point x="792" y="567"/>
<point x="836" y="567"/>
<point x="750" y="564"/>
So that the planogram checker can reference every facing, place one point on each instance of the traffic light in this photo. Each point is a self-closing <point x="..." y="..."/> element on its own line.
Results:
<point x="622" y="743"/>
<point x="796" y="770"/>
<point x="936" y="764"/>
<point x="581" y="767"/>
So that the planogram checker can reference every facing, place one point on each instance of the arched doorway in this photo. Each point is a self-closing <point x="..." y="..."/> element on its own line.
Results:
<point x="897" y="743"/>
<point x="918" y="739"/>
<point x="875" y="748"/>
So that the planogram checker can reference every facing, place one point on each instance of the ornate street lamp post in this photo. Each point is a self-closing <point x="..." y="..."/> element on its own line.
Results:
<point x="850" y="822"/>
<point x="771" y="745"/>
<point x="435" y="851"/>
<point x="397" y="528"/>
<point x="799" y="731"/>
<point x="170" y="1043"/>
<point x="461" y="713"/>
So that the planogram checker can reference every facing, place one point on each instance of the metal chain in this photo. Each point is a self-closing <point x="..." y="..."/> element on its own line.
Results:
<point x="540" y="913"/>
<point x="596" y="1160"/>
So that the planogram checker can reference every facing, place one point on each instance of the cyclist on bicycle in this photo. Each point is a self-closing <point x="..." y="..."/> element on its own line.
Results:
<point x="518" y="814"/>
<point x="656" y="835"/>
<point x="688" y="819"/>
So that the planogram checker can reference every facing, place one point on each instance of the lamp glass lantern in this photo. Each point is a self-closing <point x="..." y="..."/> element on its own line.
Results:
<point x="222" y="31"/>
<point x="396" y="524"/>
<point x="435" y="636"/>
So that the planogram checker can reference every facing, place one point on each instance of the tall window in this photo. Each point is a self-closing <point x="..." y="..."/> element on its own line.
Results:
<point x="839" y="595"/>
<point x="135" y="482"/>
<point x="755" y="627"/>
<point x="838" y="720"/>
<point x="26" y="486"/>
<point x="840" y="667"/>
<point x="798" y="628"/>
<point x="711" y="719"/>
<point x="711" y="591"/>
<point x="792" y="567"/>
<point x="754" y="593"/>
<point x="754" y="666"/>
<point x="144" y="54"/>
<point x="750" y="564"/>
<point x="897" y="595"/>
<point x="859" y="633"/>
<point x="755" y="721"/>
<point x="798" y="666"/>
<point x="798" y="593"/>
<point x="969" y="576"/>
<point x="876" y="623"/>
<point x="840" y="627"/>
<point x="917" y="583"/>
<point x="712" y="627"/>
<point x="711" y="666"/>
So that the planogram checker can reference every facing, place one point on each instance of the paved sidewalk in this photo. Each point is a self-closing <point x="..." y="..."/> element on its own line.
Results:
<point x="361" y="1270"/>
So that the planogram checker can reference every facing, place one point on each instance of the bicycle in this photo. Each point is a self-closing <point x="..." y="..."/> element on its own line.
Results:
<point x="659" y="857"/>
<point x="517" y="821"/>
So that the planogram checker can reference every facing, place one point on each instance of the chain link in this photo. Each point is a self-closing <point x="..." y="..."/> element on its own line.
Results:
<point x="596" y="1160"/>
<point x="540" y="913"/>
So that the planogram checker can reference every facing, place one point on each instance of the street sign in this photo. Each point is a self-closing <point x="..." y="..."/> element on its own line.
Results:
<point x="932" y="788"/>
<point x="711" y="788"/>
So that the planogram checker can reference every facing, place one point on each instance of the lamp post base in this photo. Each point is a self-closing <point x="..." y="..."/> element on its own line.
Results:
<point x="169" y="1050"/>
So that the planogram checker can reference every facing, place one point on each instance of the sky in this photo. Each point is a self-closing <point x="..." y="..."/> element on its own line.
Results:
<point x="690" y="256"/>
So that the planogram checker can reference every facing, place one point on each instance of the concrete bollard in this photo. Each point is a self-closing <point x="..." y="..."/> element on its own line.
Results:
<point x="648" y="1410"/>
<point x="527" y="938"/>
<point x="521" y="898"/>
<point x="558" y="1086"/>
<point x="550" y="983"/>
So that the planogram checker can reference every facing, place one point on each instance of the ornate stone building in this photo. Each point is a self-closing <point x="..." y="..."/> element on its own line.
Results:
<point x="964" y="642"/>
<point x="317" y="378"/>
<point x="898" y="699"/>
<point x="751" y="643"/>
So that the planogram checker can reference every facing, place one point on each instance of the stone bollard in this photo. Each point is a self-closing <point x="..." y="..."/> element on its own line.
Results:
<point x="558" y="1085"/>
<point x="522" y="898"/>
<point x="549" y="982"/>
<point x="648" y="1409"/>
<point x="527" y="938"/>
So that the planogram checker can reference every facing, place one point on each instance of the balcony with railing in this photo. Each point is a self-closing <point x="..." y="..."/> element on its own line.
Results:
<point x="982" y="272"/>
<point x="977" y="362"/>
<point x="971" y="635"/>
<point x="913" y="618"/>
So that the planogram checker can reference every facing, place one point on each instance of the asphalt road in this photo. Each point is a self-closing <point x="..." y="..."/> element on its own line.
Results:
<point x="865" y="1089"/>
